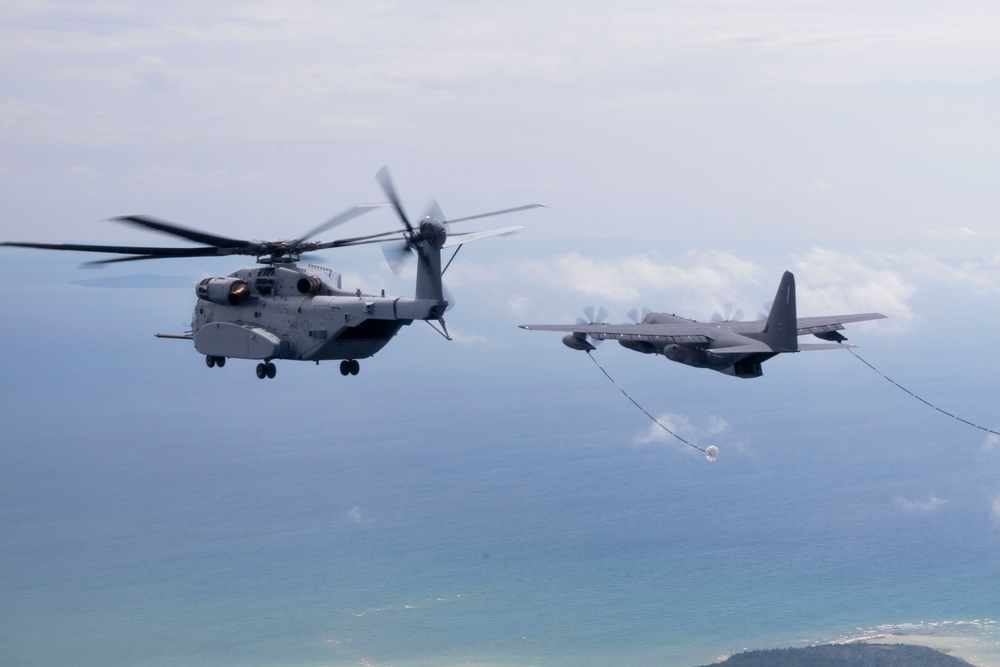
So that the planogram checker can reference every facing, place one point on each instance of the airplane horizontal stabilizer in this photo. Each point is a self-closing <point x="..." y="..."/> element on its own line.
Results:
<point x="808" y="325"/>
<point x="807" y="347"/>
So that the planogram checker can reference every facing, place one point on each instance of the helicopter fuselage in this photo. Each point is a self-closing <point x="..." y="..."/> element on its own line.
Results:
<point x="285" y="311"/>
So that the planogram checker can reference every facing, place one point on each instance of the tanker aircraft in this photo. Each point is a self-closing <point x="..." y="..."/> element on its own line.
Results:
<point x="732" y="347"/>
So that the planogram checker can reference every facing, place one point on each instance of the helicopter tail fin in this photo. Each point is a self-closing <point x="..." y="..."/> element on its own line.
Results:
<point x="429" y="272"/>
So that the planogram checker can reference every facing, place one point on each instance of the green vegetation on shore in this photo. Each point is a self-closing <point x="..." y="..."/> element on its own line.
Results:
<point x="846" y="655"/>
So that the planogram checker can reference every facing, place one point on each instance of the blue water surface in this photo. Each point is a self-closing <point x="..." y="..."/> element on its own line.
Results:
<point x="464" y="504"/>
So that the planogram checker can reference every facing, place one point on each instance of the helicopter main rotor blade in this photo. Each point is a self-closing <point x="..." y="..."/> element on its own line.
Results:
<point x="385" y="180"/>
<point x="434" y="212"/>
<point x="188" y="252"/>
<point x="184" y="232"/>
<point x="506" y="210"/>
<point x="395" y="255"/>
<point x="460" y="239"/>
<point x="381" y="237"/>
<point x="349" y="214"/>
<point x="150" y="251"/>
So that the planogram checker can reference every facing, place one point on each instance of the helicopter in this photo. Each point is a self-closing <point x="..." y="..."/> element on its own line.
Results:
<point x="288" y="311"/>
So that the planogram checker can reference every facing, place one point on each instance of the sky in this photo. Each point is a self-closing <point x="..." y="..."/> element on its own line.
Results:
<point x="730" y="121"/>
<point x="852" y="141"/>
<point x="685" y="151"/>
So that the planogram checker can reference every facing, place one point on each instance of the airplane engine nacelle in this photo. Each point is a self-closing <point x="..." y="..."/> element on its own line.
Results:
<point x="223" y="291"/>
<point x="578" y="342"/>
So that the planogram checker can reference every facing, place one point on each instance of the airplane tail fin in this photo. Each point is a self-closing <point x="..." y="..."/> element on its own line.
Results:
<point x="781" y="329"/>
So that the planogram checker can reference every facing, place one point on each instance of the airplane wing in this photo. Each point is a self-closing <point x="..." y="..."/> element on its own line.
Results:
<point x="698" y="333"/>
<point x="691" y="334"/>
<point x="805" y="325"/>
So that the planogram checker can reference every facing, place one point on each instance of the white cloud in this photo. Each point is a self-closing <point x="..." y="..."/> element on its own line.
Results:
<point x="517" y="305"/>
<point x="355" y="515"/>
<point x="354" y="120"/>
<point x="163" y="178"/>
<point x="833" y="282"/>
<point x="698" y="284"/>
<point x="919" y="506"/>
<point x="83" y="173"/>
<point x="676" y="423"/>
<point x="701" y="275"/>
<point x="674" y="118"/>
<point x="682" y="427"/>
<point x="463" y="337"/>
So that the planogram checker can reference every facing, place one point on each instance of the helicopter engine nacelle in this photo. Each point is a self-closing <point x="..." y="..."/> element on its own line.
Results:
<point x="223" y="291"/>
<point x="309" y="285"/>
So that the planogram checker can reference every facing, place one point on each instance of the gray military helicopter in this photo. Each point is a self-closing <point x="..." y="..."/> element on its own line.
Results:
<point x="282" y="310"/>
<point x="732" y="347"/>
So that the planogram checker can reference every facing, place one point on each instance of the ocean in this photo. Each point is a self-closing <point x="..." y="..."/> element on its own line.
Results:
<point x="490" y="503"/>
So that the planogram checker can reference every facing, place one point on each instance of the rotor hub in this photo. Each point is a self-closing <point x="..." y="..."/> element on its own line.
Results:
<point x="433" y="232"/>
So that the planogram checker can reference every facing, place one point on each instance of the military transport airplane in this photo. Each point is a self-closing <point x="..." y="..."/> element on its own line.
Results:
<point x="732" y="347"/>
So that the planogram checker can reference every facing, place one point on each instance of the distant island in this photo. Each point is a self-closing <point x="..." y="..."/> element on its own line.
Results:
<point x="845" y="655"/>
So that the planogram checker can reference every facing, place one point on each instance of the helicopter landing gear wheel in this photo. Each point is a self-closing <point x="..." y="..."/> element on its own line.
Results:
<point x="270" y="370"/>
<point x="210" y="361"/>
<point x="261" y="371"/>
<point x="350" y="367"/>
<point x="355" y="367"/>
<point x="220" y="361"/>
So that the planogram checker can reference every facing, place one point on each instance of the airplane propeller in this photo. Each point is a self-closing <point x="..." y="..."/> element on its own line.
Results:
<point x="636" y="316"/>
<point x="729" y="314"/>
<point x="593" y="316"/>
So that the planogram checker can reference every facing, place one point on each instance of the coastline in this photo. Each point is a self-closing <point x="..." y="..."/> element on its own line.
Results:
<point x="965" y="648"/>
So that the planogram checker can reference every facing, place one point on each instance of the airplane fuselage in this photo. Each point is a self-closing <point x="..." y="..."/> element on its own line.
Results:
<point x="711" y="354"/>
